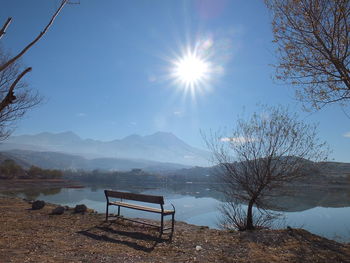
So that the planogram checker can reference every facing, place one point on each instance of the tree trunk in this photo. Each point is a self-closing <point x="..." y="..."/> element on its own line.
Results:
<point x="250" y="225"/>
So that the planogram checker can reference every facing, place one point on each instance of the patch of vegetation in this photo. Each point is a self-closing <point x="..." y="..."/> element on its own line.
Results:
<point x="9" y="169"/>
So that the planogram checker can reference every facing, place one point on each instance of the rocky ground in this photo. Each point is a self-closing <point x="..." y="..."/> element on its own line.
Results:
<point x="28" y="235"/>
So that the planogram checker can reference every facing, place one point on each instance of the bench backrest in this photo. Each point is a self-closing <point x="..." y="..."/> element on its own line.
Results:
<point x="156" y="199"/>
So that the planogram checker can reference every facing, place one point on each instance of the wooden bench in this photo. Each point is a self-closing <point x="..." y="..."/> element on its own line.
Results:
<point x="155" y="199"/>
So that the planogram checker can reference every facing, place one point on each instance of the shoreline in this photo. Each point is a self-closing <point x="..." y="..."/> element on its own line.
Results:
<point x="37" y="236"/>
<point x="32" y="189"/>
<point x="19" y="184"/>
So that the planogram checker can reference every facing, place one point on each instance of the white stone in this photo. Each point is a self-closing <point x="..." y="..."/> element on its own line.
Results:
<point x="198" y="248"/>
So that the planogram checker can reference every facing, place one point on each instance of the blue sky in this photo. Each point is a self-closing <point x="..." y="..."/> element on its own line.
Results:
<point x="104" y="68"/>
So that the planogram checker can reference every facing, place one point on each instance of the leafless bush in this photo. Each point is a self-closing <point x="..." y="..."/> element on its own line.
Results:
<point x="260" y="155"/>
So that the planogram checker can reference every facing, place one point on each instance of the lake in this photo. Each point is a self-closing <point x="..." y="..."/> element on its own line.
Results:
<point x="322" y="212"/>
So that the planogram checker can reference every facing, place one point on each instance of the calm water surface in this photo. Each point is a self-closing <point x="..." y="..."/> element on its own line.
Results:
<point x="199" y="205"/>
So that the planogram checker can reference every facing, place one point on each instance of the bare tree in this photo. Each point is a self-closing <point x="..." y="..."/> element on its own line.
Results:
<point x="313" y="47"/>
<point x="12" y="106"/>
<point x="260" y="155"/>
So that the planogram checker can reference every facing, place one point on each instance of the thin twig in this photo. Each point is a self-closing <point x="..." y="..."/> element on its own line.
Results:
<point x="5" y="26"/>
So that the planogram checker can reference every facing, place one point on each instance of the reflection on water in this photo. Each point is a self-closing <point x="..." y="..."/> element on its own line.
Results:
<point x="323" y="212"/>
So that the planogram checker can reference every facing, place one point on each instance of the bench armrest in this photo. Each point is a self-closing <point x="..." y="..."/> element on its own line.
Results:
<point x="170" y="204"/>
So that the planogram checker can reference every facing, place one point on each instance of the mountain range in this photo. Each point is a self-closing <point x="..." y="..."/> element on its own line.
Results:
<point x="159" y="152"/>
<point x="64" y="161"/>
<point x="160" y="147"/>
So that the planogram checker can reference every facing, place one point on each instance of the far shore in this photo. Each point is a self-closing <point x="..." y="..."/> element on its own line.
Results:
<point x="18" y="184"/>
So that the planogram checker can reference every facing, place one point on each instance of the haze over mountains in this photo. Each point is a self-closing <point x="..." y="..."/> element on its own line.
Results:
<point x="160" y="147"/>
<point x="159" y="152"/>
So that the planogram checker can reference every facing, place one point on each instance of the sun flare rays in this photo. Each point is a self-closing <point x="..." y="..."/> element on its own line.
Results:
<point x="192" y="70"/>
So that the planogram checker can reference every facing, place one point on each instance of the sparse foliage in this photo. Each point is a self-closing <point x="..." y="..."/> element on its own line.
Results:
<point x="9" y="169"/>
<point x="261" y="154"/>
<point x="313" y="45"/>
<point x="15" y="98"/>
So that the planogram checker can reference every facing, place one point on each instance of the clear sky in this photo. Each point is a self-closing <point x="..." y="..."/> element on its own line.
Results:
<point x="105" y="68"/>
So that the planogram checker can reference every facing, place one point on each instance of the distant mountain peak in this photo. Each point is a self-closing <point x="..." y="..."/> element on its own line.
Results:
<point x="68" y="133"/>
<point x="65" y="133"/>
<point x="161" y="133"/>
<point x="164" y="135"/>
<point x="132" y="137"/>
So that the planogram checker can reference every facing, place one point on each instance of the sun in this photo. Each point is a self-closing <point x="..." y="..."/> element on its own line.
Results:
<point x="191" y="72"/>
<point x="194" y="69"/>
<point x="191" y="69"/>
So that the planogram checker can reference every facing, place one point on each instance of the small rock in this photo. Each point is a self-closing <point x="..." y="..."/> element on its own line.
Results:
<point x="59" y="210"/>
<point x="36" y="205"/>
<point x="29" y="201"/>
<point x="290" y="230"/>
<point x="198" y="248"/>
<point x="80" y="209"/>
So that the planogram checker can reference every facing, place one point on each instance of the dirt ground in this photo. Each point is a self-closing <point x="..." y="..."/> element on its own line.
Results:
<point x="28" y="235"/>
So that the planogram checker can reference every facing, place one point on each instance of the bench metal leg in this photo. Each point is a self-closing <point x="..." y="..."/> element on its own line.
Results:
<point x="162" y="224"/>
<point x="172" y="223"/>
<point x="118" y="210"/>
<point x="107" y="212"/>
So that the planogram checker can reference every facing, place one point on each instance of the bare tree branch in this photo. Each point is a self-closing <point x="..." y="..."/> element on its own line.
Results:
<point x="10" y="97"/>
<point x="25" y="49"/>
<point x="14" y="106"/>
<point x="313" y="39"/>
<point x="3" y="29"/>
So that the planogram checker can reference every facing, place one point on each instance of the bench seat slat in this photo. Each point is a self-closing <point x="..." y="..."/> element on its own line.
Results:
<point x="144" y="208"/>
<point x="136" y="197"/>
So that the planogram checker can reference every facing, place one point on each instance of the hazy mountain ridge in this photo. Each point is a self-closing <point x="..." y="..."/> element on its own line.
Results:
<point x="159" y="147"/>
<point x="62" y="161"/>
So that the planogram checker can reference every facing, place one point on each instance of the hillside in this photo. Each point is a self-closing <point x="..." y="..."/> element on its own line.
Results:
<point x="315" y="172"/>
